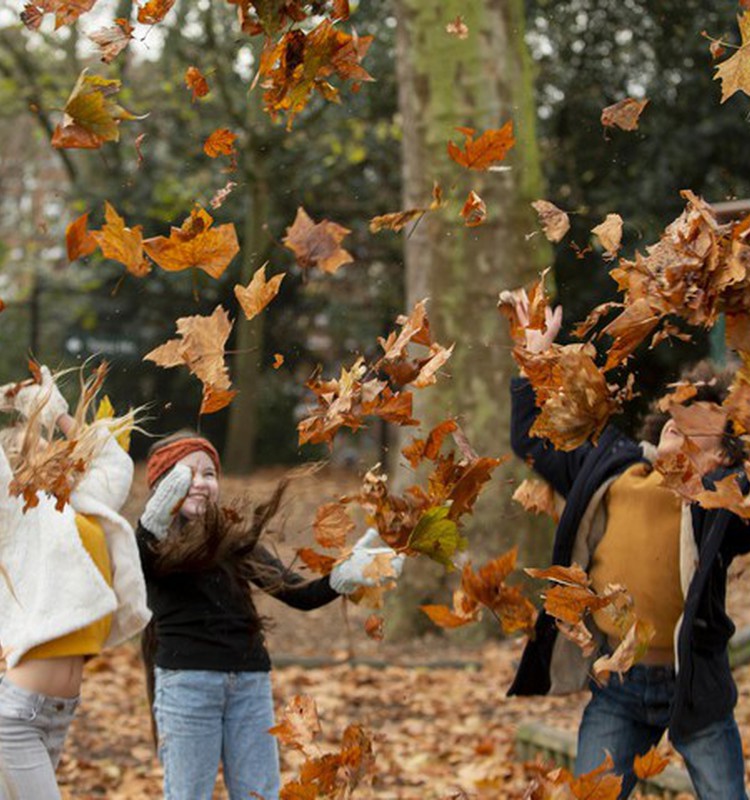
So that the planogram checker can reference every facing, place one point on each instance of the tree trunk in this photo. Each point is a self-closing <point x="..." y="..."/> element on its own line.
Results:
<point x="480" y="82"/>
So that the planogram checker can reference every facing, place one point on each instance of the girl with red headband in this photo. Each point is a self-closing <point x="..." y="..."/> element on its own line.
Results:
<point x="210" y="683"/>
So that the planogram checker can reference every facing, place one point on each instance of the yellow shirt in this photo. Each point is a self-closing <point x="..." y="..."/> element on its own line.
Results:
<point x="87" y="641"/>
<point x="640" y="550"/>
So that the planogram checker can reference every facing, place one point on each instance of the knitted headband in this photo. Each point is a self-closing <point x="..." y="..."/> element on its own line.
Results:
<point x="164" y="458"/>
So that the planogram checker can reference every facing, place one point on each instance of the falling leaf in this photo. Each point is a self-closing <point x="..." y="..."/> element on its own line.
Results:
<point x="397" y="220"/>
<point x="374" y="627"/>
<point x="214" y="399"/>
<point x="254" y="297"/>
<point x="537" y="497"/>
<point x="465" y="612"/>
<point x="66" y="11"/>
<point x="734" y="73"/>
<point x="624" y="114"/>
<point x="91" y="117"/>
<point x="195" y="244"/>
<point x="555" y="221"/>
<point x="154" y="11"/>
<point x="78" y="239"/>
<point x="492" y="146"/>
<point x="610" y="234"/>
<point x="628" y="330"/>
<point x="457" y="28"/>
<point x="630" y="650"/>
<point x="299" y="723"/>
<point x="650" y="764"/>
<point x="317" y="244"/>
<point x="106" y="410"/>
<point x="138" y="145"/>
<point x="332" y="525"/>
<point x="317" y="562"/>
<point x="196" y="81"/>
<point x="121" y="243"/>
<point x="681" y="393"/>
<point x="474" y="211"/>
<point x="217" y="201"/>
<point x="220" y="143"/>
<point x="278" y="360"/>
<point x="437" y="537"/>
<point x="113" y="40"/>
<point x="420" y="449"/>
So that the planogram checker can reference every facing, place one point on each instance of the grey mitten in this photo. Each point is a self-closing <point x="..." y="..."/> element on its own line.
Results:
<point x="348" y="575"/>
<point x="165" y="502"/>
<point x="43" y="398"/>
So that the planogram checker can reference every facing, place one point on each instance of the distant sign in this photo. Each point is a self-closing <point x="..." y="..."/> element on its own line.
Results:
<point x="83" y="345"/>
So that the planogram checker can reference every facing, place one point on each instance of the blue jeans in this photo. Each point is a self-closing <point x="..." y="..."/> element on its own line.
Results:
<point x="625" y="717"/>
<point x="205" y="717"/>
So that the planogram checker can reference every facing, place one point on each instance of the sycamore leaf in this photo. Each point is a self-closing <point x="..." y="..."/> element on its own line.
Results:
<point x="574" y="575"/>
<point x="680" y="394"/>
<point x="469" y="484"/>
<point x="734" y="73"/>
<point x="554" y="220"/>
<point x="220" y="143"/>
<point x="457" y="28"/>
<point x="537" y="497"/>
<point x="195" y="244"/>
<point x="610" y="234"/>
<point x="317" y="244"/>
<point x="649" y="764"/>
<point x="413" y="328"/>
<point x="196" y="81"/>
<point x="631" y="327"/>
<point x="397" y="220"/>
<point x="420" y="449"/>
<point x="437" y="536"/>
<point x="299" y="723"/>
<point x="91" y="117"/>
<point x="332" y="525"/>
<point x="491" y="146"/>
<point x="121" y="243"/>
<point x="429" y="368"/>
<point x="66" y="11"/>
<point x="200" y="347"/>
<point x="630" y="650"/>
<point x="154" y="11"/>
<point x="317" y="562"/>
<point x="624" y="114"/>
<point x="113" y="40"/>
<point x="79" y="241"/>
<point x="254" y="297"/>
<point x="474" y="211"/>
<point x="465" y="612"/>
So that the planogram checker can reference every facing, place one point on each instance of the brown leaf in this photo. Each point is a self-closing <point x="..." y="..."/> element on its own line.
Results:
<point x="195" y="244"/>
<point x="254" y="297"/>
<point x="113" y="40"/>
<point x="220" y="143"/>
<point x="196" y="81"/>
<point x="631" y="327"/>
<point x="630" y="650"/>
<point x="278" y="360"/>
<point x="121" y="243"/>
<point x="554" y="220"/>
<point x="573" y="575"/>
<point x="734" y="73"/>
<point x="400" y="219"/>
<point x="624" y="114"/>
<point x="217" y="201"/>
<point x="317" y="244"/>
<point x="215" y="399"/>
<point x="299" y="723"/>
<point x="474" y="211"/>
<point x="332" y="525"/>
<point x="78" y="239"/>
<point x="491" y="147"/>
<point x="317" y="562"/>
<point x="610" y="234"/>
<point x="66" y="11"/>
<point x="374" y="627"/>
<point x="154" y="11"/>
<point x="650" y="764"/>
<point x="457" y="28"/>
<point x="537" y="497"/>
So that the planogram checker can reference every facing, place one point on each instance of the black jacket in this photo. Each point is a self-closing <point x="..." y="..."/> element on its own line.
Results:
<point x="705" y="690"/>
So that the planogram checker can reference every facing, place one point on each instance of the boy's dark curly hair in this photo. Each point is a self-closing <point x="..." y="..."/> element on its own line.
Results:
<point x="713" y="384"/>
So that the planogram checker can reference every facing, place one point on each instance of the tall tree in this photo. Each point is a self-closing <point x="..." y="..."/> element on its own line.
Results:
<point x="480" y="81"/>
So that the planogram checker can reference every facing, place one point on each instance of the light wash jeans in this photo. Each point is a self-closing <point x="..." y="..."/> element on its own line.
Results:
<point x="626" y="717"/>
<point x="205" y="717"/>
<point x="33" y="728"/>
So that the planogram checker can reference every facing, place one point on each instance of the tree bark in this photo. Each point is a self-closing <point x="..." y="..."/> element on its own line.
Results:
<point x="480" y="82"/>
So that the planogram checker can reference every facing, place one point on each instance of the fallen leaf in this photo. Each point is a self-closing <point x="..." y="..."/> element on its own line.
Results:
<point x="374" y="627"/>
<point x="154" y="11"/>
<point x="554" y="220"/>
<point x="217" y="201"/>
<point x="332" y="525"/>
<point x="78" y="239"/>
<point x="610" y="234"/>
<point x="734" y="73"/>
<point x="113" y="40"/>
<point x="491" y="146"/>
<point x="624" y="114"/>
<point x="196" y="81"/>
<point x="649" y="764"/>
<point x="299" y="723"/>
<point x="474" y="211"/>
<point x="537" y="497"/>
<point x="220" y="143"/>
<point x="317" y="244"/>
<point x="66" y="11"/>
<point x="121" y="243"/>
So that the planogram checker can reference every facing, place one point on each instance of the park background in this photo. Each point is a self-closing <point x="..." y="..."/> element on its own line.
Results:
<point x="551" y="67"/>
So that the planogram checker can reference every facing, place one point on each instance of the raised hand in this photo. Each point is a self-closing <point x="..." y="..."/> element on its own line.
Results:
<point x="164" y="504"/>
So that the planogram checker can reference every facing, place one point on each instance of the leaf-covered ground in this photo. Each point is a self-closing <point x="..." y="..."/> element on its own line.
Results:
<point x="438" y="731"/>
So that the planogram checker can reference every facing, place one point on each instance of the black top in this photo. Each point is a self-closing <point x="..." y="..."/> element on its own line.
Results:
<point x="705" y="690"/>
<point x="202" y="622"/>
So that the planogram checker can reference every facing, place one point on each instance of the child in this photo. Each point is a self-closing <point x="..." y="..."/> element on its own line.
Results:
<point x="623" y="526"/>
<point x="71" y="584"/>
<point x="212" y="697"/>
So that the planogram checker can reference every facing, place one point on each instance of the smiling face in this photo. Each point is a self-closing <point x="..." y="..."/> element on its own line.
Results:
<point x="205" y="486"/>
<point x="709" y="453"/>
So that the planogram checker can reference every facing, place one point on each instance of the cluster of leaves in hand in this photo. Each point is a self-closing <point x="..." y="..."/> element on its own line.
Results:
<point x="323" y="775"/>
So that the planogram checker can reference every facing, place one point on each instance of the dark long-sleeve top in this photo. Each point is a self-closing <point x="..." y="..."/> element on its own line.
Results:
<point x="204" y="623"/>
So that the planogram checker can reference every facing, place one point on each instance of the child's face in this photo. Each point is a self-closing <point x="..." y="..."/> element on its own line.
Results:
<point x="709" y="453"/>
<point x="205" y="486"/>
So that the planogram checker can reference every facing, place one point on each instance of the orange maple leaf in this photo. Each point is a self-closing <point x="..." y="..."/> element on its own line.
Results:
<point x="317" y="244"/>
<point x="113" y="40"/>
<point x="66" y="11"/>
<point x="331" y="525"/>
<point x="196" y="81"/>
<point x="397" y="220"/>
<point x="317" y="562"/>
<point x="121" y="243"/>
<point x="299" y="724"/>
<point x="474" y="211"/>
<point x="278" y="360"/>
<point x="254" y="297"/>
<point x="78" y="239"/>
<point x="154" y="11"/>
<point x="492" y="146"/>
<point x="220" y="143"/>
<point x="195" y="244"/>
<point x="650" y="764"/>
<point x="624" y="114"/>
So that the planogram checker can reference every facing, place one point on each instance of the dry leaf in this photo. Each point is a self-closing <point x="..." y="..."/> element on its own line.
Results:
<point x="254" y="297"/>
<point x="537" y="497"/>
<point x="332" y="525"/>
<point x="113" y="40"/>
<point x="610" y="234"/>
<point x="554" y="220"/>
<point x="299" y="723"/>
<point x="78" y="239"/>
<point x="121" y="243"/>
<point x="457" y="28"/>
<point x="196" y="81"/>
<point x="491" y="147"/>
<point x="734" y="73"/>
<point x="278" y="360"/>
<point x="317" y="244"/>
<point x="220" y="143"/>
<point x="624" y="114"/>
<point x="474" y="211"/>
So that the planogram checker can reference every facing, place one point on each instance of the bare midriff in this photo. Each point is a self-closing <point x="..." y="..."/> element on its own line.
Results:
<point x="55" y="677"/>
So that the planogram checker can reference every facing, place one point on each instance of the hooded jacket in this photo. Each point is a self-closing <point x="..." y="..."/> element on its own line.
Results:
<point x="709" y="540"/>
<point x="49" y="585"/>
